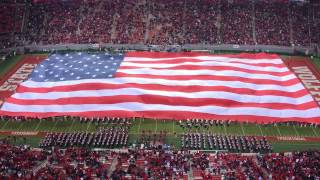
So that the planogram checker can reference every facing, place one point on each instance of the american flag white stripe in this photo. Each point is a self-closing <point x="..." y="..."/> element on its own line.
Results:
<point x="163" y="85"/>
<point x="206" y="83"/>
<point x="208" y="64"/>
<point x="208" y="58"/>
<point x="194" y="95"/>
<point x="166" y="72"/>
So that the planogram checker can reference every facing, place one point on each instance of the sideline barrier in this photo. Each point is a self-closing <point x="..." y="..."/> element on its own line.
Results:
<point x="314" y="50"/>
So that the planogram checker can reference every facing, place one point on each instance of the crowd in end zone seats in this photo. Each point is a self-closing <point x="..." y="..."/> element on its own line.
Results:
<point x="162" y="22"/>
<point x="76" y="163"/>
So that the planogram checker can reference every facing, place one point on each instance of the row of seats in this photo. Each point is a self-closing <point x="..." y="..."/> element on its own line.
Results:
<point x="19" y="162"/>
<point x="172" y="22"/>
<point x="11" y="16"/>
<point x="75" y="163"/>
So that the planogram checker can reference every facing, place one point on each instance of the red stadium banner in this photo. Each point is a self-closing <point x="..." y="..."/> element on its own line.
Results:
<point x="18" y="74"/>
<point x="309" y="75"/>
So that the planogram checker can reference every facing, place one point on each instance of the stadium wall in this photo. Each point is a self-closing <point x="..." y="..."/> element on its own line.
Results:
<point x="188" y="47"/>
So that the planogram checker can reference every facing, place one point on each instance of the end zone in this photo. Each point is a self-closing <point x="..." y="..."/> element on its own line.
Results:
<point x="20" y="72"/>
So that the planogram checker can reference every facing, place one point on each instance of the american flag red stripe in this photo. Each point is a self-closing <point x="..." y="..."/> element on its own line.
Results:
<point x="151" y="99"/>
<point x="243" y="87"/>
<point x="97" y="86"/>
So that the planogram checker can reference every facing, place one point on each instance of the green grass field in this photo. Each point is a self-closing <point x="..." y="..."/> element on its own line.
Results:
<point x="173" y="130"/>
<point x="156" y="126"/>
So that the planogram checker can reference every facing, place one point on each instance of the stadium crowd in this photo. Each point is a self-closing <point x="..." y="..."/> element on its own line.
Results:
<point x="82" y="163"/>
<point x="162" y="22"/>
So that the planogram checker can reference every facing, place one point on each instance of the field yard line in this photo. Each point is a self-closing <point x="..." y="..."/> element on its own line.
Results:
<point x="55" y="124"/>
<point x="278" y="130"/>
<point x="295" y="130"/>
<point x="173" y="125"/>
<point x="139" y="125"/>
<point x="260" y="129"/>
<point x="225" y="129"/>
<point x="242" y="129"/>
<point x="20" y="126"/>
<point x="89" y="123"/>
<point x="71" y="125"/>
<point x="38" y="125"/>
<point x="304" y="144"/>
<point x="5" y="124"/>
<point x="156" y="126"/>
<point x="314" y="131"/>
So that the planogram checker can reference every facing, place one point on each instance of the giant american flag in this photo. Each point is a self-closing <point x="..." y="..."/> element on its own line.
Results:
<point x="243" y="87"/>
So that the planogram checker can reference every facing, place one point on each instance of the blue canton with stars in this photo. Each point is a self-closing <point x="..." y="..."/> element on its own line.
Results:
<point x="77" y="66"/>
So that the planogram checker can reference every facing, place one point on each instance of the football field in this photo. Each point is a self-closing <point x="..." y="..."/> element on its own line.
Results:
<point x="172" y="129"/>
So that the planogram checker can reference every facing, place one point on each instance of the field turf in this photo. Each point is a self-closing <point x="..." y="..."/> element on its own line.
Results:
<point x="173" y="130"/>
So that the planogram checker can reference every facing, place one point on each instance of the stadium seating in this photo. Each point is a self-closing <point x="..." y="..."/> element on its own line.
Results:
<point x="81" y="163"/>
<point x="76" y="163"/>
<point x="276" y="14"/>
<point x="165" y="22"/>
<point x="304" y="165"/>
<point x="7" y="18"/>
<point x="18" y="161"/>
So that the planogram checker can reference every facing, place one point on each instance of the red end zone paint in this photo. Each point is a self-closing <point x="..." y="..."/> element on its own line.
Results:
<point x="18" y="74"/>
<point x="308" y="74"/>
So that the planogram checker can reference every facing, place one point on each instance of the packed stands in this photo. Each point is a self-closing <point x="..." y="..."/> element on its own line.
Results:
<point x="274" y="14"/>
<point x="96" y="23"/>
<point x="35" y="25"/>
<point x="224" y="165"/>
<point x="62" y="23"/>
<point x="7" y="17"/>
<point x="131" y="19"/>
<point x="18" y="161"/>
<point x="202" y="21"/>
<point x="11" y="22"/>
<point x="76" y="163"/>
<point x="300" y="24"/>
<point x="299" y="165"/>
<point x="315" y="23"/>
<point x="165" y="22"/>
<point x="236" y="23"/>
<point x="152" y="163"/>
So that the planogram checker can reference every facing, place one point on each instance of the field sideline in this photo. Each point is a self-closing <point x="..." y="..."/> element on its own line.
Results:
<point x="155" y="126"/>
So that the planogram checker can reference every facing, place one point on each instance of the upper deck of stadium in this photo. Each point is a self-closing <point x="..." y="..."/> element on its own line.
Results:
<point x="165" y="22"/>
